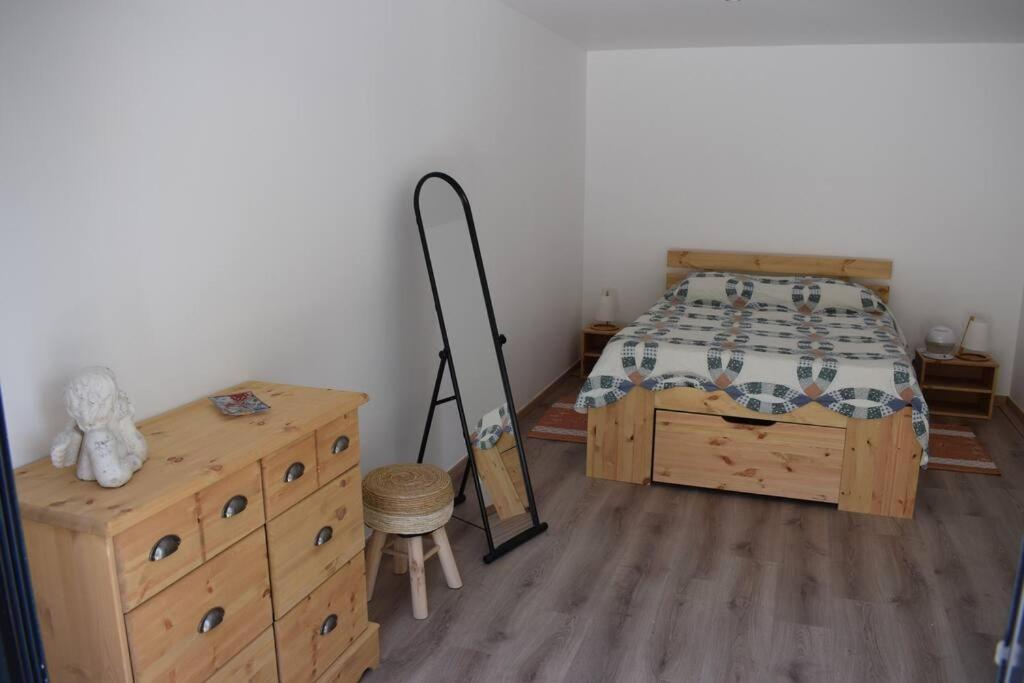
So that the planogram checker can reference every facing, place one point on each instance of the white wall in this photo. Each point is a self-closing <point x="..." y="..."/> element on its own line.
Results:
<point x="913" y="153"/>
<point x="1017" y="388"/>
<point x="196" y="193"/>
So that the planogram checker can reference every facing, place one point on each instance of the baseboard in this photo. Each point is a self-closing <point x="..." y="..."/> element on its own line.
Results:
<point x="542" y="394"/>
<point x="1011" y="407"/>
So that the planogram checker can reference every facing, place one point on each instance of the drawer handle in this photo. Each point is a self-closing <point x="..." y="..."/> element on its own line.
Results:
<point x="165" y="547"/>
<point x="211" y="620"/>
<point x="330" y="623"/>
<point x="294" y="471"/>
<point x="323" y="536"/>
<point x="340" y="444"/>
<point x="748" y="421"/>
<point x="234" y="506"/>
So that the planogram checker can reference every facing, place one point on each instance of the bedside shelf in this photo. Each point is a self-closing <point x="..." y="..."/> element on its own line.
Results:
<point x="957" y="388"/>
<point x="592" y="343"/>
<point x="953" y="409"/>
<point x="958" y="384"/>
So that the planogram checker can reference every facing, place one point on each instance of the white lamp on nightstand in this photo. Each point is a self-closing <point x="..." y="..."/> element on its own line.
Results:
<point x="605" y="312"/>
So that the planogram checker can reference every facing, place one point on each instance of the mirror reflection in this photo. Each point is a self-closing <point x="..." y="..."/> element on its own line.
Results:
<point x="465" y="312"/>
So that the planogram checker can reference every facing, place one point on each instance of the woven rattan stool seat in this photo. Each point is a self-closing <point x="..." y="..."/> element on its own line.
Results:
<point x="407" y="499"/>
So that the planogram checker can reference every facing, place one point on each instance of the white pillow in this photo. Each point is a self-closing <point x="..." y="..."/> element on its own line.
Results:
<point x="798" y="293"/>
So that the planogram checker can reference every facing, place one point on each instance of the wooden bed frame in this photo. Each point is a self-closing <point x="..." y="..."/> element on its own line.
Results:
<point x="698" y="438"/>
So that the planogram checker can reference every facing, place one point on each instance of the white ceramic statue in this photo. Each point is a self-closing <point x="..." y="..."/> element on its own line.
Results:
<point x="102" y="439"/>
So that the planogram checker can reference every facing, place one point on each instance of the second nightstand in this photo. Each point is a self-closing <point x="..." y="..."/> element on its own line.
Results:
<point x="592" y="343"/>
<point x="957" y="388"/>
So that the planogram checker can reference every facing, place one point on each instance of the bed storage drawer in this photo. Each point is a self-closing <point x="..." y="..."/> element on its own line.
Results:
<point x="752" y="456"/>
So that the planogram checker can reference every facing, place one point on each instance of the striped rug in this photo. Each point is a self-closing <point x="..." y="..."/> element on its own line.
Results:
<point x="957" y="448"/>
<point x="561" y="423"/>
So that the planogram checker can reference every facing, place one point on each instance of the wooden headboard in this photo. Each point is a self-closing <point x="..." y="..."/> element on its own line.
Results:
<point x="863" y="270"/>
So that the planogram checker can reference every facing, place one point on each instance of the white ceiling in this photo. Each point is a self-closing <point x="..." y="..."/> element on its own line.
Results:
<point x="632" y="24"/>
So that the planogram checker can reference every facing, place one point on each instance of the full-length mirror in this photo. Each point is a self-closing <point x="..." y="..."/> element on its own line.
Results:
<point x="462" y="299"/>
<point x="472" y="355"/>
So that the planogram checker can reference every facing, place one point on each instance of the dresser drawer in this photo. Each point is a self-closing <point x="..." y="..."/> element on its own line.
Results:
<point x="362" y="655"/>
<point x="257" y="663"/>
<point x="337" y="446"/>
<point x="289" y="475"/>
<point x="314" y="538"/>
<point x="156" y="552"/>
<point x="776" y="459"/>
<point x="197" y="625"/>
<point x="322" y="626"/>
<point x="230" y="509"/>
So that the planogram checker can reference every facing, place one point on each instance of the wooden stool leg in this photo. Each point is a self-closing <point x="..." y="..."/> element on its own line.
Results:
<point x="444" y="553"/>
<point x="417" y="577"/>
<point x="401" y="560"/>
<point x="374" y="551"/>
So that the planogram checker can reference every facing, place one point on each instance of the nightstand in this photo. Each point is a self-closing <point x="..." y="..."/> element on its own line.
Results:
<point x="957" y="388"/>
<point x="592" y="343"/>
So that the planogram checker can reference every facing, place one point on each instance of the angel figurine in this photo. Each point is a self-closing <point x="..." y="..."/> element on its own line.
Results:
<point x="102" y="438"/>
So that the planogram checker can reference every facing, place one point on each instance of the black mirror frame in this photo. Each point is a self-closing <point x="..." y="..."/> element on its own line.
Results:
<point x="21" y="644"/>
<point x="537" y="527"/>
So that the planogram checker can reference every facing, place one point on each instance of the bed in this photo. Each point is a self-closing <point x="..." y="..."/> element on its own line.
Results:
<point x="772" y="374"/>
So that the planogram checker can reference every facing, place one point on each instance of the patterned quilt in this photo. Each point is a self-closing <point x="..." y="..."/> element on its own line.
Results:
<point x="772" y="344"/>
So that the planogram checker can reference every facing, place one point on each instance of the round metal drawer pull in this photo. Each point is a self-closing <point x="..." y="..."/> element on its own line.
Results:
<point x="294" y="471"/>
<point x="234" y="506"/>
<point x="211" y="620"/>
<point x="165" y="547"/>
<point x="323" y="536"/>
<point x="340" y="444"/>
<point x="329" y="624"/>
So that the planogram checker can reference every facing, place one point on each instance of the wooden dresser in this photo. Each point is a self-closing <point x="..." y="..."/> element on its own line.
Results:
<point x="234" y="554"/>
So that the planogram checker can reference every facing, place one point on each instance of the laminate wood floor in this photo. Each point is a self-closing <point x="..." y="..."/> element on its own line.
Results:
<point x="660" y="583"/>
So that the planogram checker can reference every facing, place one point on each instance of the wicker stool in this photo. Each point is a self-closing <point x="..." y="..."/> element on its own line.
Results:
<point x="402" y="503"/>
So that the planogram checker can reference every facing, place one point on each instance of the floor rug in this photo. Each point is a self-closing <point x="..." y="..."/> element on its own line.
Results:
<point x="561" y="423"/>
<point x="956" y="447"/>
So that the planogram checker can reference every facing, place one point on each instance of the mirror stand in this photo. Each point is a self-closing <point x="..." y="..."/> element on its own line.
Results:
<point x="536" y="528"/>
<point x="460" y="497"/>
<point x="495" y="456"/>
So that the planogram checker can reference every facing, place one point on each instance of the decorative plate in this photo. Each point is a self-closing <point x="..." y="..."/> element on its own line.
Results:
<point x="935" y="356"/>
<point x="242" y="403"/>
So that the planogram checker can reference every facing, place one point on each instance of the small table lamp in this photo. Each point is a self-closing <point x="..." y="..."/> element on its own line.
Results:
<point x="605" y="312"/>
<point x="975" y="343"/>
